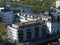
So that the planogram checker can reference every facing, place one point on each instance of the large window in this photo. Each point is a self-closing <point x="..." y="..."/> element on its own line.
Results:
<point x="36" y="32"/>
<point x="0" y="19"/>
<point x="20" y="35"/>
<point x="29" y="33"/>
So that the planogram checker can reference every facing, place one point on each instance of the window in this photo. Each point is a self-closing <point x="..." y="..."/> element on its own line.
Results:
<point x="36" y="32"/>
<point x="0" y="19"/>
<point x="43" y="30"/>
<point x="20" y="35"/>
<point x="29" y="33"/>
<point x="36" y="24"/>
<point x="25" y="18"/>
<point x="33" y="17"/>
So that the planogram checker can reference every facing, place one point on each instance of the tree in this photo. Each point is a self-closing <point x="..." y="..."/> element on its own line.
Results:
<point x="35" y="5"/>
<point x="3" y="38"/>
<point x="38" y="5"/>
<point x="2" y="28"/>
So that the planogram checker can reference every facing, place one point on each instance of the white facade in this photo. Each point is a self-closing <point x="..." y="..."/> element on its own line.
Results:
<point x="49" y="27"/>
<point x="7" y="17"/>
<point x="12" y="33"/>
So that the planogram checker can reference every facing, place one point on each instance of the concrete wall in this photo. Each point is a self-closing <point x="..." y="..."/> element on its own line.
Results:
<point x="12" y="33"/>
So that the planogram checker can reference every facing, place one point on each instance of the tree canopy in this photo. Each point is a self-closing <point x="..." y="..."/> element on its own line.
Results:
<point x="35" y="5"/>
<point x="2" y="28"/>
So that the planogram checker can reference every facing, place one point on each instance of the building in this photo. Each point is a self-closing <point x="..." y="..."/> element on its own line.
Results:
<point x="55" y="15"/>
<point x="7" y="16"/>
<point x="53" y="23"/>
<point x="26" y="31"/>
<point x="33" y="27"/>
<point x="57" y="3"/>
<point x="24" y="27"/>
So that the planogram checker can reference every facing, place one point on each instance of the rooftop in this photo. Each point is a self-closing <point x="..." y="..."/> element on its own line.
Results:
<point x="17" y="25"/>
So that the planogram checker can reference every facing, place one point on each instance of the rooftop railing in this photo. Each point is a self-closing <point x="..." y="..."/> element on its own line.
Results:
<point x="26" y="23"/>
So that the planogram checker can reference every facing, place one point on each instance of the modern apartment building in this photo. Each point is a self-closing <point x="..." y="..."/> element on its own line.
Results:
<point x="26" y="31"/>
<point x="31" y="28"/>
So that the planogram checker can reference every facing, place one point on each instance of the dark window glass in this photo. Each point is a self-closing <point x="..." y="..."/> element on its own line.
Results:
<point x="43" y="30"/>
<point x="36" y="32"/>
<point x="29" y="33"/>
<point x="58" y="18"/>
<point x="20" y="35"/>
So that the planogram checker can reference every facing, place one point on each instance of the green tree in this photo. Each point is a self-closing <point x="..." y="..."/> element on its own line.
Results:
<point x="35" y="5"/>
<point x="3" y="38"/>
<point x="2" y="28"/>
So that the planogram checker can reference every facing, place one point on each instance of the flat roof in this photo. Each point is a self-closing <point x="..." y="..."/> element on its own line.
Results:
<point x="17" y="25"/>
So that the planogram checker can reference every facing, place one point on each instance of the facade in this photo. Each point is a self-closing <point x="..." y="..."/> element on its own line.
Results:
<point x="24" y="32"/>
<point x="52" y="27"/>
<point x="52" y="21"/>
<point x="27" y="27"/>
<point x="33" y="27"/>
<point x="55" y="20"/>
